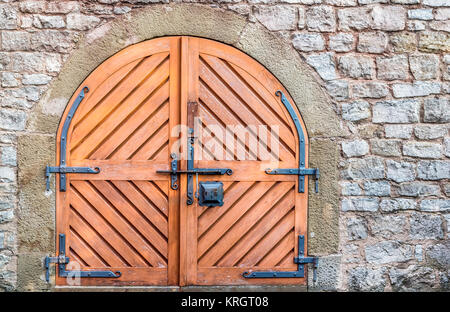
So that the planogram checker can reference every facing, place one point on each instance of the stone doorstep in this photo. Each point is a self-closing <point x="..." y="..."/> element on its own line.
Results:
<point x="263" y="288"/>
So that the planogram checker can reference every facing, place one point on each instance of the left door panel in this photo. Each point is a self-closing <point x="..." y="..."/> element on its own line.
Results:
<point x="124" y="218"/>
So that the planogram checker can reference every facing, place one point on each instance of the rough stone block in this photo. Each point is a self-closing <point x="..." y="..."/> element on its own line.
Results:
<point x="323" y="63"/>
<point x="79" y="21"/>
<point x="392" y="68"/>
<point x="360" y="204"/>
<point x="357" y="110"/>
<point x="439" y="255"/>
<point x="10" y="79"/>
<point x="397" y="204"/>
<point x="356" y="229"/>
<point x="437" y="110"/>
<point x="396" y="111"/>
<point x="338" y="89"/>
<point x="422" y="149"/>
<point x="279" y="17"/>
<point x="354" y="18"/>
<point x="375" y="90"/>
<point x="413" y="278"/>
<point x="307" y="42"/>
<point x="11" y="119"/>
<point x="366" y="279"/>
<point x="403" y="42"/>
<point x="45" y="21"/>
<point x="424" y="226"/>
<point x="430" y="132"/>
<point x="377" y="188"/>
<point x="388" y="18"/>
<point x="398" y="131"/>
<point x="434" y="42"/>
<point x="400" y="171"/>
<point x="8" y="16"/>
<point x="424" y="66"/>
<point x="418" y="88"/>
<point x="389" y="252"/>
<point x="16" y="40"/>
<point x="372" y="42"/>
<point x="328" y="274"/>
<point x="433" y="205"/>
<point x="416" y="189"/>
<point x="350" y="189"/>
<point x="355" y="148"/>
<point x="36" y="79"/>
<point x="433" y="170"/>
<point x="321" y="18"/>
<point x="387" y="226"/>
<point x="366" y="168"/>
<point x="341" y="42"/>
<point x="421" y="14"/>
<point x="385" y="147"/>
<point x="8" y="156"/>
<point x="356" y="66"/>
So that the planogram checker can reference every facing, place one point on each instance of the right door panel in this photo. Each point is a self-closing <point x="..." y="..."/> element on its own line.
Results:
<point x="242" y="125"/>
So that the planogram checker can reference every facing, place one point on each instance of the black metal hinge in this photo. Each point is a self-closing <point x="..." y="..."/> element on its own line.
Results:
<point x="301" y="260"/>
<point x="301" y="172"/>
<point x="62" y="171"/>
<point x="62" y="261"/>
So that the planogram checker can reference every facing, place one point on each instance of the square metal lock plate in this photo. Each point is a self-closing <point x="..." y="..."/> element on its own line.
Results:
<point x="210" y="194"/>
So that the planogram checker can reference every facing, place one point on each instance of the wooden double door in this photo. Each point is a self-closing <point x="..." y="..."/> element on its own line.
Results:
<point x="129" y="218"/>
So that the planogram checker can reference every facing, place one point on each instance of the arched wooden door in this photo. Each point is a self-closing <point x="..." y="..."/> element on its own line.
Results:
<point x="134" y="219"/>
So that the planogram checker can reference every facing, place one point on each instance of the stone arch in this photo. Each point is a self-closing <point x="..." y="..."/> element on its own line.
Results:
<point x="37" y="148"/>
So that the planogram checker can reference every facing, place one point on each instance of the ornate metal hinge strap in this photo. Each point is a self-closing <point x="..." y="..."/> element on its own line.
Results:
<point x="301" y="171"/>
<point x="301" y="260"/>
<point x="62" y="261"/>
<point x="62" y="169"/>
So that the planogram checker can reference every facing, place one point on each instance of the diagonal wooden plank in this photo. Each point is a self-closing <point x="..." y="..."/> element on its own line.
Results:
<point x="242" y="226"/>
<point x="110" y="123"/>
<point x="260" y="229"/>
<point x="110" y="102"/>
<point x="162" y="187"/>
<point x="147" y="208"/>
<point x="162" y="153"/>
<point x="100" y="93"/>
<point x="253" y="103"/>
<point x="287" y="260"/>
<point x="269" y="241"/>
<point x="210" y="216"/>
<point x="149" y="109"/>
<point x="213" y="133"/>
<point x="142" y="233"/>
<point x="278" y="253"/>
<point x="106" y="231"/>
<point x="225" y="106"/>
<point x="266" y="98"/>
<point x="133" y="245"/>
<point x="231" y="216"/>
<point x="146" y="131"/>
<point x="105" y="250"/>
<point x="84" y="251"/>
<point x="246" y="113"/>
<point x="154" y="195"/>
<point x="153" y="144"/>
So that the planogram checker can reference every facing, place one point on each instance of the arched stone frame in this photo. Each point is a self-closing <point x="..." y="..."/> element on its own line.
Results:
<point x="36" y="147"/>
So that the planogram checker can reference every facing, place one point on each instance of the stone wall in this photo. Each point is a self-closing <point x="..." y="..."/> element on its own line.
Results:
<point x="385" y="65"/>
